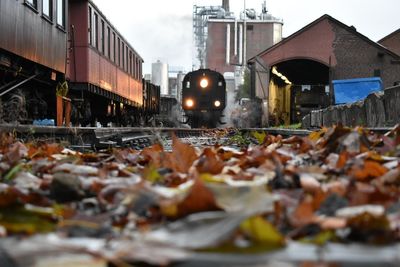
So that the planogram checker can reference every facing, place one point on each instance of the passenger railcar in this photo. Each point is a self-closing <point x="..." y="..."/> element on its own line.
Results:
<point x="33" y="47"/>
<point x="55" y="51"/>
<point x="203" y="97"/>
<point x="105" y="71"/>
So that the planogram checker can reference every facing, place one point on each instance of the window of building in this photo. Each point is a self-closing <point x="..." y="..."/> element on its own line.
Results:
<point x="377" y="73"/>
<point x="102" y="37"/>
<point x="31" y="3"/>
<point x="90" y="26"/>
<point x="250" y="27"/>
<point x="47" y="9"/>
<point x="95" y="30"/>
<point x="108" y="42"/>
<point x="61" y="13"/>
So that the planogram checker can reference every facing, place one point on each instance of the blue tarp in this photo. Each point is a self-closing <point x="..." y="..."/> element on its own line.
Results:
<point x="352" y="90"/>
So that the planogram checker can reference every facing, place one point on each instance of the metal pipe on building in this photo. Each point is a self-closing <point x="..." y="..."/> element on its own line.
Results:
<point x="240" y="44"/>
<point x="228" y="43"/>
<point x="244" y="35"/>
<point x="225" y="5"/>
<point x="235" y="39"/>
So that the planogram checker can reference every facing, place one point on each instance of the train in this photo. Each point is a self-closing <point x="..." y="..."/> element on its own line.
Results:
<point x="203" y="98"/>
<point x="64" y="61"/>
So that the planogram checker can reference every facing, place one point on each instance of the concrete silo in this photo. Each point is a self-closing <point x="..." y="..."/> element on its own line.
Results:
<point x="159" y="76"/>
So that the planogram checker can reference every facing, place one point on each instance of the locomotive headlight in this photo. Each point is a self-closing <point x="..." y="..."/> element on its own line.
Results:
<point x="189" y="103"/>
<point x="203" y="83"/>
<point x="217" y="103"/>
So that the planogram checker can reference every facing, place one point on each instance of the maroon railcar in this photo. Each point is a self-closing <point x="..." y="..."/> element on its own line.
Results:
<point x="105" y="71"/>
<point x="33" y="47"/>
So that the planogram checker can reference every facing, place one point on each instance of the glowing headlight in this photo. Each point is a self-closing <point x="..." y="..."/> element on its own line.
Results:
<point x="189" y="103"/>
<point x="217" y="103"/>
<point x="204" y="83"/>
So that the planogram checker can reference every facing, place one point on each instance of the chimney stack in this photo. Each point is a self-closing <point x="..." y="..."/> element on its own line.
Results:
<point x="225" y="5"/>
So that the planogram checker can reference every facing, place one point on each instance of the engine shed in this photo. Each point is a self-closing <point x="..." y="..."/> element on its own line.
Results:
<point x="295" y="75"/>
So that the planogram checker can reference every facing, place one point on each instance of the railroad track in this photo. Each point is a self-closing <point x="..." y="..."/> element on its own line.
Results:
<point x="91" y="138"/>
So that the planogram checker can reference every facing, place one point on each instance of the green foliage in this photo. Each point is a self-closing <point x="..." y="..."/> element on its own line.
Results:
<point x="291" y="126"/>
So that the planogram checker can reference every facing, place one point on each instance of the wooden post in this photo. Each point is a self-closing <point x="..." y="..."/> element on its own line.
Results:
<point x="67" y="114"/>
<point x="59" y="110"/>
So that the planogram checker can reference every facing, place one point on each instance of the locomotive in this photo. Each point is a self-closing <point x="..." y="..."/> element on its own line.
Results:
<point x="203" y="98"/>
<point x="65" y="56"/>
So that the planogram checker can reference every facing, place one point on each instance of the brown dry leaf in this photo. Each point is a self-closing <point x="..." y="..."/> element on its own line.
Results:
<point x="199" y="199"/>
<point x="44" y="150"/>
<point x="209" y="162"/>
<point x="343" y="158"/>
<point x="181" y="158"/>
<point x="370" y="169"/>
<point x="153" y="154"/>
<point x="8" y="196"/>
<point x="16" y="152"/>
<point x="303" y="214"/>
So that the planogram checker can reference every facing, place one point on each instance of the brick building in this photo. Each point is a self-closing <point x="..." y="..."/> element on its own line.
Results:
<point x="227" y="46"/>
<point x="323" y="51"/>
<point x="392" y="41"/>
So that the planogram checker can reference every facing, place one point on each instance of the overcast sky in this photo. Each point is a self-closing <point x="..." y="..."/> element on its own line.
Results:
<point x="162" y="29"/>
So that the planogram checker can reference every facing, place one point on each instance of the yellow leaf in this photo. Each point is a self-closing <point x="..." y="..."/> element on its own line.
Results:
<point x="208" y="178"/>
<point x="170" y="210"/>
<point x="262" y="231"/>
<point x="260" y="136"/>
<point x="151" y="174"/>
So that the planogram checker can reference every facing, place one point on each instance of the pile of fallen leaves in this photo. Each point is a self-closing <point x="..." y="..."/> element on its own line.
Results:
<point x="336" y="185"/>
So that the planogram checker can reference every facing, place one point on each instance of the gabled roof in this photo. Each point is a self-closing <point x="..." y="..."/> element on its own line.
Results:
<point x="389" y="36"/>
<point x="351" y="29"/>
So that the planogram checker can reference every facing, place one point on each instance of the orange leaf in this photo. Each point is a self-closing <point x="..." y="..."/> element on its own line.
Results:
<point x="371" y="169"/>
<point x="304" y="213"/>
<point x="153" y="154"/>
<point x="181" y="158"/>
<point x="343" y="158"/>
<point x="199" y="199"/>
<point x="209" y="162"/>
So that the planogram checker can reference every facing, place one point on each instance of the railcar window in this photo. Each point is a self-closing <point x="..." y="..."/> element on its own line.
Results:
<point x="47" y="9"/>
<point x="119" y="52"/>
<point x="123" y="56"/>
<point x="113" y="44"/>
<point x="95" y="30"/>
<point x="108" y="42"/>
<point x="61" y="13"/>
<point x="134" y="66"/>
<point x="90" y="26"/>
<point x="137" y="69"/>
<point x="32" y="3"/>
<point x="127" y="59"/>
<point x="102" y="37"/>
<point x="130" y="63"/>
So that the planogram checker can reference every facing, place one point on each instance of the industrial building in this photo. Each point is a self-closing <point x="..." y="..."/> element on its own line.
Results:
<point x="223" y="41"/>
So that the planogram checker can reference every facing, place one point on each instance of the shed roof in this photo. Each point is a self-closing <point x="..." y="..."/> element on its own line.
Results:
<point x="351" y="29"/>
